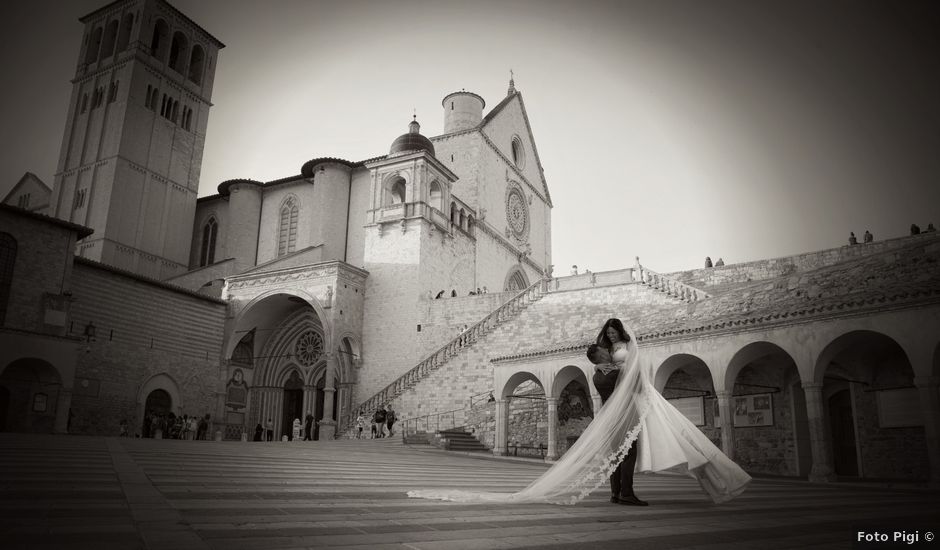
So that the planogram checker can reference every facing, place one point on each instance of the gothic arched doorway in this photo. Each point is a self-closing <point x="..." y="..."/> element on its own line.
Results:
<point x="159" y="403"/>
<point x="293" y="407"/>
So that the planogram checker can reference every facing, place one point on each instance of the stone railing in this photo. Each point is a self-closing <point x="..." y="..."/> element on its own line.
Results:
<point x="668" y="285"/>
<point x="437" y="359"/>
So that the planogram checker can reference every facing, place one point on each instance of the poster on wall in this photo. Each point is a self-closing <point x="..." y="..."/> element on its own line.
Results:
<point x="692" y="407"/>
<point x="750" y="410"/>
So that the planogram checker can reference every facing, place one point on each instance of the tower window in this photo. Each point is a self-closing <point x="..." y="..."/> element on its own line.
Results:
<point x="159" y="42"/>
<point x="124" y="38"/>
<point x="80" y="198"/>
<point x="110" y="37"/>
<point x="178" y="51"/>
<point x="209" y="233"/>
<point x="91" y="54"/>
<point x="153" y="100"/>
<point x="113" y="91"/>
<point x="287" y="232"/>
<point x="195" y="64"/>
<point x="84" y="102"/>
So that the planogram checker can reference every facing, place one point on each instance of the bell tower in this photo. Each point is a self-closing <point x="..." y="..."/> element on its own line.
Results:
<point x="132" y="150"/>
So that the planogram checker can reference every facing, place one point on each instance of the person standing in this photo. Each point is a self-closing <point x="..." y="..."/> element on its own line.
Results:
<point x="269" y="429"/>
<point x="378" y="419"/>
<point x="360" y="424"/>
<point x="390" y="419"/>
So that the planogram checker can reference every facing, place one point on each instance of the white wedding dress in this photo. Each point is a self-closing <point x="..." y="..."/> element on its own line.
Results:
<point x="634" y="412"/>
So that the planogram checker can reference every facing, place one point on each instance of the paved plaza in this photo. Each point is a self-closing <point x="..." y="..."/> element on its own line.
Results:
<point x="103" y="493"/>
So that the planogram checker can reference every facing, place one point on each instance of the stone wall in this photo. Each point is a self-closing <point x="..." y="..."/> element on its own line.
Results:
<point x="143" y="329"/>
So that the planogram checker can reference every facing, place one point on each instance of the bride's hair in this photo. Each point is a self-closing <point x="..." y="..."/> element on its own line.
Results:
<point x="604" y="341"/>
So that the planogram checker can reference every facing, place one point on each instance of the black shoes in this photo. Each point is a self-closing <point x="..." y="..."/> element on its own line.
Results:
<point x="629" y="501"/>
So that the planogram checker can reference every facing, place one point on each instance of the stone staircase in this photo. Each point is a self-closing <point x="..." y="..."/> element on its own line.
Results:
<point x="457" y="439"/>
<point x="464" y="340"/>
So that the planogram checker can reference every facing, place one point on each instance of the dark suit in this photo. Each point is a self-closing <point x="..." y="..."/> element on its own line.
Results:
<point x="621" y="480"/>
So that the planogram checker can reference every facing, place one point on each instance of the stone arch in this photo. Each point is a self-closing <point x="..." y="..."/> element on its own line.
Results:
<point x="395" y="190"/>
<point x="109" y="40"/>
<point x="124" y="38"/>
<point x="516" y="279"/>
<point x="161" y="381"/>
<point x="270" y="307"/>
<point x="178" y="50"/>
<point x="748" y="354"/>
<point x="196" y="62"/>
<point x="94" y="45"/>
<point x="436" y="196"/>
<point x="857" y="344"/>
<point x="676" y="362"/>
<point x="301" y="324"/>
<point x="160" y="40"/>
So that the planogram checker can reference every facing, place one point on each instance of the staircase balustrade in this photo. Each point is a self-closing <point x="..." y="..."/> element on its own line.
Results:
<point x="434" y="361"/>
<point x="669" y="286"/>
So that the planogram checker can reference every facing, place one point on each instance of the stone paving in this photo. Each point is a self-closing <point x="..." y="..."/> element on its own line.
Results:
<point x="76" y="492"/>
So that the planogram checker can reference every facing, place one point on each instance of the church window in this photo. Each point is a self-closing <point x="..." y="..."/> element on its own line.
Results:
<point x="23" y="200"/>
<point x="210" y="233"/>
<point x="177" y="52"/>
<point x="453" y="213"/>
<point x="113" y="91"/>
<point x="158" y="44"/>
<point x="80" y="198"/>
<point x="451" y="105"/>
<point x="84" y="102"/>
<point x="518" y="152"/>
<point x="195" y="64"/>
<point x="397" y="195"/>
<point x="175" y="111"/>
<point x="436" y="198"/>
<point x="110" y="37"/>
<point x="91" y="54"/>
<point x="463" y="219"/>
<point x="470" y="225"/>
<point x="287" y="233"/>
<point x="153" y="100"/>
<point x="124" y="37"/>
<point x="7" y="259"/>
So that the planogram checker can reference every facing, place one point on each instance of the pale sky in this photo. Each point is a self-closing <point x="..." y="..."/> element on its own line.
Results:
<point x="668" y="130"/>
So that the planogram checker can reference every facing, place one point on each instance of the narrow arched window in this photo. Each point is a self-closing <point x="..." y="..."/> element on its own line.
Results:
<point x="163" y="105"/>
<point x="153" y="100"/>
<point x="124" y="37"/>
<point x="195" y="64"/>
<point x="110" y="37"/>
<point x="453" y="213"/>
<point x="7" y="260"/>
<point x="436" y="196"/>
<point x="178" y="52"/>
<point x="470" y="224"/>
<point x="463" y="219"/>
<point x="209" y="233"/>
<point x="287" y="232"/>
<point x="160" y="40"/>
<point x="94" y="45"/>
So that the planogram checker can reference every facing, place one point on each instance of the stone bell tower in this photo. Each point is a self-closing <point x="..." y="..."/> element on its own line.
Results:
<point x="132" y="149"/>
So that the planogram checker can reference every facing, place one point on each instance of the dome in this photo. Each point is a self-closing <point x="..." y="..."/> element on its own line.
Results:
<point x="412" y="141"/>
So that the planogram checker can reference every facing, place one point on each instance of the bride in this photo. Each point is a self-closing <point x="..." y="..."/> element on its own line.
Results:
<point x="634" y="413"/>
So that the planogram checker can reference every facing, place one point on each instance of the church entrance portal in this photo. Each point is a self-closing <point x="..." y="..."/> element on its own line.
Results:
<point x="842" y="424"/>
<point x="158" y="403"/>
<point x="293" y="404"/>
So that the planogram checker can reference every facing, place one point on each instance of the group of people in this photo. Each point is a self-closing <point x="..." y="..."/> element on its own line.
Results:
<point x="708" y="262"/>
<point x="383" y="421"/>
<point x="868" y="237"/>
<point x="636" y="429"/>
<point x="300" y="431"/>
<point x="915" y="229"/>
<point x="453" y="293"/>
<point x="171" y="426"/>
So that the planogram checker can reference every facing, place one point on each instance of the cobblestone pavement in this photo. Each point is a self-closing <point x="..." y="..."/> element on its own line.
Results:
<point x="77" y="492"/>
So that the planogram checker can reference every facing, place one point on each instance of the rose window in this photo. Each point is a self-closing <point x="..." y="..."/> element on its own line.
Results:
<point x="309" y="348"/>
<point x="517" y="213"/>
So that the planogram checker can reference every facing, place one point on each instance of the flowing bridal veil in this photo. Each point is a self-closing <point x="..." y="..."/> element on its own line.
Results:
<point x="634" y="412"/>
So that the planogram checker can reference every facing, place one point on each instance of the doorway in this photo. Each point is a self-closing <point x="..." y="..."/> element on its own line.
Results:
<point x="293" y="404"/>
<point x="159" y="403"/>
<point x="842" y="426"/>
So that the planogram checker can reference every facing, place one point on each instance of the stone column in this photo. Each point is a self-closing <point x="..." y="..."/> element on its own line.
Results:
<point x="552" y="453"/>
<point x="928" y="388"/>
<point x="502" y="427"/>
<point x="727" y="422"/>
<point x="328" y="423"/>
<point x="63" y="404"/>
<point x="819" y="440"/>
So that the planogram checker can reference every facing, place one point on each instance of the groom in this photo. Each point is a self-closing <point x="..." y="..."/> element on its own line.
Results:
<point x="605" y="379"/>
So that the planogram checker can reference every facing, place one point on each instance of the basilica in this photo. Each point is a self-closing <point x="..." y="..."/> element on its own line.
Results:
<point x="420" y="278"/>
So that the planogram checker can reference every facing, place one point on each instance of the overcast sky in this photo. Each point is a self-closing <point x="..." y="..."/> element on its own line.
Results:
<point x="668" y="130"/>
